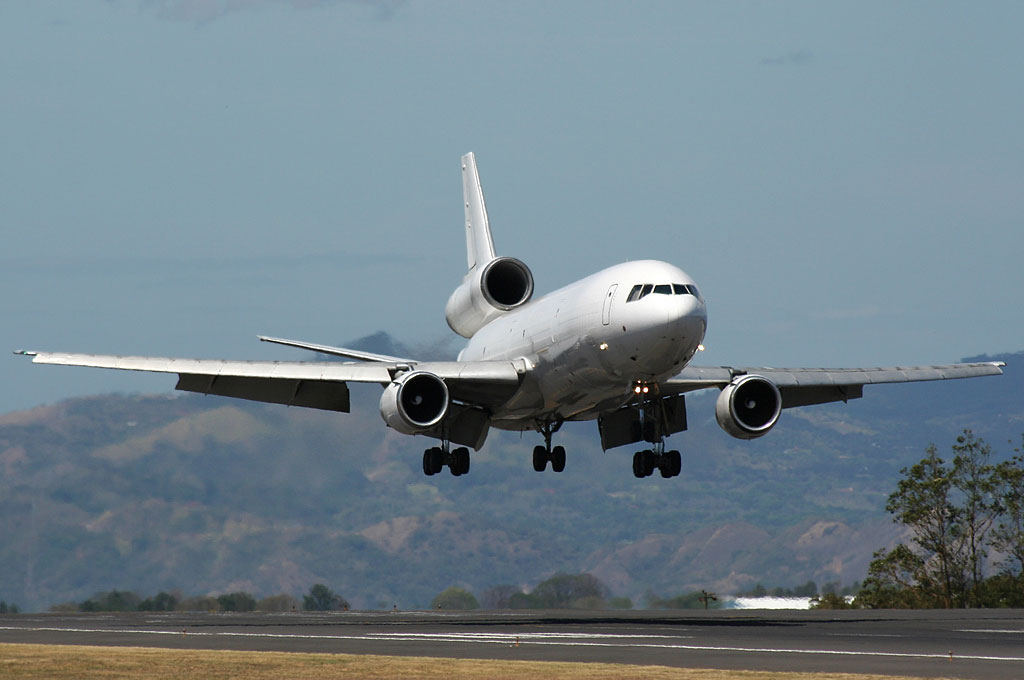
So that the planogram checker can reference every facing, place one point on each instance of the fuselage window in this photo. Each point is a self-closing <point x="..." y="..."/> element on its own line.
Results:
<point x="663" y="289"/>
<point x="635" y="293"/>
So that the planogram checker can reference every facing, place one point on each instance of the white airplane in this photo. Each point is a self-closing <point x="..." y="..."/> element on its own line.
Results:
<point x="615" y="347"/>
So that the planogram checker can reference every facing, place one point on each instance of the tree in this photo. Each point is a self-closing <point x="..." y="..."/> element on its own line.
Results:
<point x="565" y="591"/>
<point x="278" y="603"/>
<point x="111" y="601"/>
<point x="498" y="597"/>
<point x="8" y="608"/>
<point x="161" y="602"/>
<point x="454" y="598"/>
<point x="1008" y="535"/>
<point x="322" y="599"/>
<point x="236" y="602"/>
<point x="923" y="501"/>
<point x="974" y="477"/>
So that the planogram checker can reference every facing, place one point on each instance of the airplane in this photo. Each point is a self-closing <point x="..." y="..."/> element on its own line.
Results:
<point x="614" y="347"/>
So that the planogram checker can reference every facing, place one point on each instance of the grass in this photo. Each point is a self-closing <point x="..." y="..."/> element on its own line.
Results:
<point x="73" y="662"/>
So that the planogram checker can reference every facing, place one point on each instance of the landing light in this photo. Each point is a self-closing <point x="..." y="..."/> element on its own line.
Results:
<point x="700" y="348"/>
<point x="603" y="346"/>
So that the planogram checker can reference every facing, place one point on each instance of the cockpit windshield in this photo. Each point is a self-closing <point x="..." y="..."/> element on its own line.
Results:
<point x="642" y="290"/>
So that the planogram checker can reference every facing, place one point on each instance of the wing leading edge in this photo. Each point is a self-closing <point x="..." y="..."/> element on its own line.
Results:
<point x="806" y="386"/>
<point x="311" y="384"/>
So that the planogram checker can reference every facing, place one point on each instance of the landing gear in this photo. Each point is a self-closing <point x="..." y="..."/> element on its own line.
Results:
<point x="543" y="454"/>
<point x="669" y="463"/>
<point x="651" y="427"/>
<point x="437" y="457"/>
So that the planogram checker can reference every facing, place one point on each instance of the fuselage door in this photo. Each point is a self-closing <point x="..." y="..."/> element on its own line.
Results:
<point x="606" y="314"/>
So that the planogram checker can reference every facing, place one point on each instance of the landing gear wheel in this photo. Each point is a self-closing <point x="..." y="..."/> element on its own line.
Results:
<point x="460" y="461"/>
<point x="540" y="458"/>
<point x="638" y="464"/>
<point x="675" y="462"/>
<point x="433" y="461"/>
<point x="647" y="459"/>
<point x="558" y="459"/>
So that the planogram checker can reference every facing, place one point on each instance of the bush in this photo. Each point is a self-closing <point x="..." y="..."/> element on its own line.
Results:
<point x="236" y="602"/>
<point x="278" y="603"/>
<point x="454" y="598"/>
<point x="322" y="599"/>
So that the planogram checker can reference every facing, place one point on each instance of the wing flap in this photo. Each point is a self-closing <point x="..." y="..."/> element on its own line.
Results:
<point x="327" y="395"/>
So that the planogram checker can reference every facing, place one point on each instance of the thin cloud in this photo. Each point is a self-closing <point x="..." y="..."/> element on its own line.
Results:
<point x="798" y="58"/>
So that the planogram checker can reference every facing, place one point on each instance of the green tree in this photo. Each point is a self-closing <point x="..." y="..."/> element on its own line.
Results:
<point x="321" y="599"/>
<point x="499" y="596"/>
<point x="924" y="502"/>
<point x="111" y="601"/>
<point x="278" y="603"/>
<point x="236" y="602"/>
<point x="161" y="602"/>
<point x="976" y="480"/>
<point x="1008" y="535"/>
<point x="566" y="591"/>
<point x="454" y="598"/>
<point x="8" y="608"/>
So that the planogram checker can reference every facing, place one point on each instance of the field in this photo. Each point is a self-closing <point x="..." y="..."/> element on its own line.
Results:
<point x="72" y="662"/>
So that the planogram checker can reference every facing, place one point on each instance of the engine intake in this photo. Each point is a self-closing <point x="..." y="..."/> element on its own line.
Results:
<point x="415" y="402"/>
<point x="501" y="285"/>
<point x="748" y="407"/>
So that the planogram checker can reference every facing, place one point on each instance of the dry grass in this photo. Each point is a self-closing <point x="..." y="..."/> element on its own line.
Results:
<point x="72" y="662"/>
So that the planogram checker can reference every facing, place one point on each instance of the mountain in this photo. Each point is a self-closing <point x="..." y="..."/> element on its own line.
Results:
<point x="211" y="495"/>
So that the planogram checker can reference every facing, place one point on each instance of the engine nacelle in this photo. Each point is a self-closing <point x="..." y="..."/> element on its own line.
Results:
<point x="748" y="407"/>
<point x="489" y="291"/>
<point x="414" y="402"/>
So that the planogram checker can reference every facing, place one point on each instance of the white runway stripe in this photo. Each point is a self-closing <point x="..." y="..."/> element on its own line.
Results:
<point x="526" y="639"/>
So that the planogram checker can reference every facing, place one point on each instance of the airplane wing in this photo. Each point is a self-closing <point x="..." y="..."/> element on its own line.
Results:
<point x="311" y="384"/>
<point x="806" y="386"/>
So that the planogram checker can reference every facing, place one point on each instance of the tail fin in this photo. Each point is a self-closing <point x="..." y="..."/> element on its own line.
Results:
<point x="479" y="246"/>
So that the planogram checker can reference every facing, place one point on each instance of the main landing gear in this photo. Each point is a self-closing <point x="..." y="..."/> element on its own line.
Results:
<point x="543" y="454"/>
<point x="437" y="457"/>
<point x="669" y="463"/>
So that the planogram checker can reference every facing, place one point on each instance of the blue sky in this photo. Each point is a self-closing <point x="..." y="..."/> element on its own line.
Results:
<point x="843" y="180"/>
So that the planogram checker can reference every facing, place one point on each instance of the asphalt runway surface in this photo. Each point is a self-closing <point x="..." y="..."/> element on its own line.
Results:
<point x="982" y="644"/>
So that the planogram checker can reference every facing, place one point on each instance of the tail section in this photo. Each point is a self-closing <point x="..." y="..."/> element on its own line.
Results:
<point x="494" y="285"/>
<point x="479" y="246"/>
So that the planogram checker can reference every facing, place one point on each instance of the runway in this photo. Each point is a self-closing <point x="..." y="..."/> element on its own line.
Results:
<point x="981" y="644"/>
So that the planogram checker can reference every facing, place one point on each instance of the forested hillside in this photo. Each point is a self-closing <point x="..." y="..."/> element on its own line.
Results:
<point x="210" y="495"/>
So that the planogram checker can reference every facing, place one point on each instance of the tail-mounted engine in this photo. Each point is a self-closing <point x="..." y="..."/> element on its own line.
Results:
<point x="415" y="402"/>
<point x="748" y="407"/>
<point x="487" y="292"/>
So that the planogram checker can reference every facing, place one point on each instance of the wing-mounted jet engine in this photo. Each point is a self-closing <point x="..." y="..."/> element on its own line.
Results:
<point x="494" y="285"/>
<point x="415" y="402"/>
<point x="748" y="407"/>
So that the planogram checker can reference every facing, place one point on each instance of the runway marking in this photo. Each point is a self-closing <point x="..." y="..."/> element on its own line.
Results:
<point x="983" y="630"/>
<point x="533" y="639"/>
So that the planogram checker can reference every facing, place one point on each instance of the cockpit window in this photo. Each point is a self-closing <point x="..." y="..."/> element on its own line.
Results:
<point x="641" y="290"/>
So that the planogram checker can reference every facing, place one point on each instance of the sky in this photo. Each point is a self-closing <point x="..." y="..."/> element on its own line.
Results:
<point x="844" y="180"/>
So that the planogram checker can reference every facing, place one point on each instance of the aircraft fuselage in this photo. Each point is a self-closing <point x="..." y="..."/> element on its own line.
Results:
<point x="591" y="342"/>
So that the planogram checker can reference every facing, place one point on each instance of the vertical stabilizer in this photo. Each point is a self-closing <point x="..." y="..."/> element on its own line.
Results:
<point x="479" y="247"/>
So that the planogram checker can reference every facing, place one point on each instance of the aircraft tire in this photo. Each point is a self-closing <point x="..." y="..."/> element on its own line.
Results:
<point x="676" y="462"/>
<point x="638" y="466"/>
<point x="540" y="458"/>
<point x="647" y="461"/>
<point x="428" y="463"/>
<point x="558" y="459"/>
